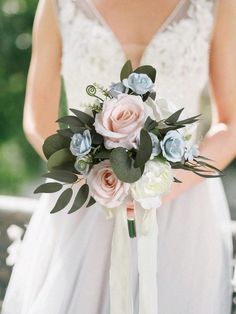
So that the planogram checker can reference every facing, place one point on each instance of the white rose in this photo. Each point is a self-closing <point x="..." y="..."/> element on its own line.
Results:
<point x="162" y="108"/>
<point x="155" y="181"/>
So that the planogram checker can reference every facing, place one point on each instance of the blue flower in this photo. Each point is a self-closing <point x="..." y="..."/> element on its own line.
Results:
<point x="140" y="83"/>
<point x="80" y="144"/>
<point x="156" y="147"/>
<point x="117" y="88"/>
<point x="191" y="152"/>
<point x="173" y="146"/>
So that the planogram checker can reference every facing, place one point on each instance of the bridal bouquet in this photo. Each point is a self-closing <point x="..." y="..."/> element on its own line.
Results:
<point x="123" y="151"/>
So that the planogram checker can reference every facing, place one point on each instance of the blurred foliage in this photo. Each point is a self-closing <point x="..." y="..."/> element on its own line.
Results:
<point x="18" y="160"/>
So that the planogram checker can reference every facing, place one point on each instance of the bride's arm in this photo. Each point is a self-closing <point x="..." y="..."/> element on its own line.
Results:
<point x="220" y="142"/>
<point x="43" y="83"/>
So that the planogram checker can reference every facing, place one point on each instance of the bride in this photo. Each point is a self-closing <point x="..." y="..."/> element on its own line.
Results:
<point x="64" y="263"/>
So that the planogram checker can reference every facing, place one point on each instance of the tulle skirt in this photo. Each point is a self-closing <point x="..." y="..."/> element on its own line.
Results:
<point x="64" y="263"/>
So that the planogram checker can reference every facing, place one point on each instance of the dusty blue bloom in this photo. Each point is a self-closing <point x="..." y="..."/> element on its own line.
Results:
<point x="80" y="144"/>
<point x="173" y="146"/>
<point x="140" y="83"/>
<point x="191" y="152"/>
<point x="156" y="147"/>
<point x="117" y="88"/>
<point x="82" y="164"/>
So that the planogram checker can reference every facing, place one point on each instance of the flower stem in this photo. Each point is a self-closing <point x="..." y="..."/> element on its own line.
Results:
<point x="131" y="220"/>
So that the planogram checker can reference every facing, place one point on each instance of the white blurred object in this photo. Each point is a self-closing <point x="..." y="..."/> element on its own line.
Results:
<point x="15" y="234"/>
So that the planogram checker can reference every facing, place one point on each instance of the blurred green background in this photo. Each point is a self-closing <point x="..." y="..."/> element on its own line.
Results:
<point x="19" y="164"/>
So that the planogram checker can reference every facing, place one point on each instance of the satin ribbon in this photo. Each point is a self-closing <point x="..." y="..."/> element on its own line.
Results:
<point x="121" y="298"/>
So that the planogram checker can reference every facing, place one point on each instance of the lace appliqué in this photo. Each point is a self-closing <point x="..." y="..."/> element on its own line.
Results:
<point x="180" y="53"/>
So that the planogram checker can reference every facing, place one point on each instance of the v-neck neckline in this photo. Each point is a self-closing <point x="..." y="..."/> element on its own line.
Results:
<point x="168" y="19"/>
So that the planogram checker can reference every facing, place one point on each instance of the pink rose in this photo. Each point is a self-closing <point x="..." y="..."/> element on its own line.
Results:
<point x="105" y="187"/>
<point x="121" y="120"/>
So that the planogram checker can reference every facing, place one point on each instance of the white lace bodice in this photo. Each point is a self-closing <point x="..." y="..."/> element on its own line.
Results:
<point x="179" y="51"/>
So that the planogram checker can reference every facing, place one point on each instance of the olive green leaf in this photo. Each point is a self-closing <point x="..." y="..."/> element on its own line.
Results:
<point x="145" y="149"/>
<point x="174" y="117"/>
<point x="60" y="157"/>
<point x="62" y="200"/>
<point x="126" y="70"/>
<point x="91" y="202"/>
<point x="54" y="143"/>
<point x="49" y="187"/>
<point x="84" y="118"/>
<point x="67" y="132"/>
<point x="61" y="175"/>
<point x="103" y="154"/>
<point x="80" y="198"/>
<point x="123" y="166"/>
<point x="71" y="121"/>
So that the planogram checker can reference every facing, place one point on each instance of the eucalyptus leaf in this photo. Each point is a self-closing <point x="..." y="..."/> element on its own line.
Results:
<point x="71" y="121"/>
<point x="189" y="120"/>
<point x="123" y="166"/>
<point x="80" y="198"/>
<point x="97" y="139"/>
<point x="145" y="149"/>
<point x="150" y="124"/>
<point x="60" y="157"/>
<point x="61" y="175"/>
<point x="62" y="200"/>
<point x="54" y="143"/>
<point x="91" y="202"/>
<point x="174" y="117"/>
<point x="126" y="70"/>
<point x="147" y="69"/>
<point x="85" y="118"/>
<point x="50" y="187"/>
<point x="103" y="154"/>
<point x="177" y="180"/>
<point x="67" y="166"/>
<point x="67" y="132"/>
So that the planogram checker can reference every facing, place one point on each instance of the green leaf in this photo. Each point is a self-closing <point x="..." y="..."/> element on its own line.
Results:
<point x="174" y="117"/>
<point x="147" y="69"/>
<point x="62" y="200"/>
<point x="67" y="132"/>
<point x="91" y="202"/>
<point x="103" y="154"/>
<point x="85" y="118"/>
<point x="145" y="149"/>
<point x="68" y="166"/>
<point x="70" y="120"/>
<point x="54" y="143"/>
<point x="60" y="157"/>
<point x="97" y="139"/>
<point x="150" y="124"/>
<point x="60" y="175"/>
<point x="123" y="166"/>
<point x="189" y="120"/>
<point x="126" y="70"/>
<point x="49" y="187"/>
<point x="177" y="180"/>
<point x="80" y="198"/>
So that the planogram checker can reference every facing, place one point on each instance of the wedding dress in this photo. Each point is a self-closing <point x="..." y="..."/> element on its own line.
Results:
<point x="64" y="263"/>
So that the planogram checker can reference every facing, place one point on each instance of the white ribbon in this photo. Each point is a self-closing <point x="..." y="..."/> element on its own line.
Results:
<point x="121" y="301"/>
<point x="120" y="270"/>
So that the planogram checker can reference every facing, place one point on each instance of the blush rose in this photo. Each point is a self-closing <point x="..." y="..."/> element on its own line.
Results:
<point x="105" y="187"/>
<point x="121" y="120"/>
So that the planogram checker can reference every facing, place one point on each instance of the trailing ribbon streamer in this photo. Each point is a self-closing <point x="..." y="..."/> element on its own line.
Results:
<point x="147" y="230"/>
<point x="121" y="300"/>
